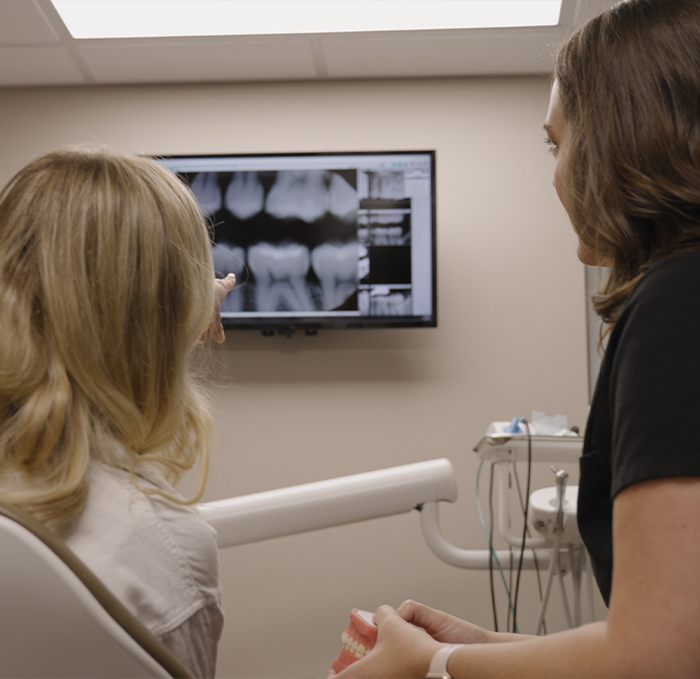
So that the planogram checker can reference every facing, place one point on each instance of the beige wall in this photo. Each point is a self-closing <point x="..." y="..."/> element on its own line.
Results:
<point x="511" y="337"/>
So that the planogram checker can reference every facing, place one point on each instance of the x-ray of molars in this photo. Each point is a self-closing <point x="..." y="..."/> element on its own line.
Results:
<point x="206" y="189"/>
<point x="289" y="236"/>
<point x="336" y="266"/>
<point x="282" y="271"/>
<point x="305" y="195"/>
<point x="310" y="194"/>
<point x="230" y="259"/>
<point x="245" y="195"/>
<point x="280" y="274"/>
<point x="383" y="301"/>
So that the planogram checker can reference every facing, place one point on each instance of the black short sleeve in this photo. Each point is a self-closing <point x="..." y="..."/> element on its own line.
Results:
<point x="655" y="377"/>
<point x="644" y="421"/>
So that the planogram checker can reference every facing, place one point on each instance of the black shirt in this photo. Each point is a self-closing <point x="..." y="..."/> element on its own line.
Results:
<point x="644" y="421"/>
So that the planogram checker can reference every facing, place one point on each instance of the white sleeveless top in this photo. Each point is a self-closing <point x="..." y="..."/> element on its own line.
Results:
<point x="158" y="558"/>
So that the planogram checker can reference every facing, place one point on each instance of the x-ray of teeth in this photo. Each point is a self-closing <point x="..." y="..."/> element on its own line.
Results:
<point x="396" y="303"/>
<point x="363" y="302"/>
<point x="293" y="234"/>
<point x="307" y="196"/>
<point x="344" y="199"/>
<point x="206" y="189"/>
<point x="381" y="218"/>
<point x="363" y="265"/>
<point x="336" y="266"/>
<point x="380" y="227"/>
<point x="386" y="185"/>
<point x="230" y="259"/>
<point x="320" y="240"/>
<point x="280" y="277"/>
<point x="310" y="194"/>
<point x="388" y="235"/>
<point x="245" y="195"/>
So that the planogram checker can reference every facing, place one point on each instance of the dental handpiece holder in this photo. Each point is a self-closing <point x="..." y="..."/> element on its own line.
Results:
<point x="503" y="450"/>
<point x="551" y="510"/>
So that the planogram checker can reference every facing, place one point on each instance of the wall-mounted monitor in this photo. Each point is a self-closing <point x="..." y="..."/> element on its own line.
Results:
<point x="322" y="240"/>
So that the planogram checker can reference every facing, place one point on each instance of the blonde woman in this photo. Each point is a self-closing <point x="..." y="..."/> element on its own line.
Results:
<point x="624" y="129"/>
<point x="105" y="289"/>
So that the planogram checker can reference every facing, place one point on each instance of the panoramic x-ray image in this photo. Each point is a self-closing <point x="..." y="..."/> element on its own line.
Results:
<point x="290" y="236"/>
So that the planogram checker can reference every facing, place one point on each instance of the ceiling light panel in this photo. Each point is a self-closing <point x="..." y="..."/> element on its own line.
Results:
<point x="87" y="19"/>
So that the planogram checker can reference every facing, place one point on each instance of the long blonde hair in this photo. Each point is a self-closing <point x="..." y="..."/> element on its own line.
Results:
<point x="105" y="286"/>
<point x="629" y="88"/>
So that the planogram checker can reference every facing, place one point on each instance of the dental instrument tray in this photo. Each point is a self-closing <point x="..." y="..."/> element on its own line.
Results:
<point x="514" y="447"/>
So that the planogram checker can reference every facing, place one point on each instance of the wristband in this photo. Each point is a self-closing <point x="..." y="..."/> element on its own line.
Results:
<point x="438" y="665"/>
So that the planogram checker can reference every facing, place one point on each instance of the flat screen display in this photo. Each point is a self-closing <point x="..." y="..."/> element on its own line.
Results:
<point x="322" y="240"/>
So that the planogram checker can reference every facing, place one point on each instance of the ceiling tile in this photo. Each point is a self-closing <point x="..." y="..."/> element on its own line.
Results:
<point x="112" y="62"/>
<point x="37" y="66"/>
<point x="27" y="25"/>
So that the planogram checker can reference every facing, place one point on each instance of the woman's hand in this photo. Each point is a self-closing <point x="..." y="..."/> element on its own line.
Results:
<point x="402" y="650"/>
<point x="448" y="629"/>
<point x="442" y="626"/>
<point x="222" y="286"/>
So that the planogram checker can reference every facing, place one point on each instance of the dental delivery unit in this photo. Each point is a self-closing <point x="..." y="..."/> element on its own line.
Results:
<point x="421" y="486"/>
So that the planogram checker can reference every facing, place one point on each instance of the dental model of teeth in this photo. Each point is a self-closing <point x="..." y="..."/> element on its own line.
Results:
<point x="358" y="639"/>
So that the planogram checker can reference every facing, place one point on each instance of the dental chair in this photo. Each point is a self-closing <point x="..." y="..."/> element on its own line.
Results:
<point x="58" y="620"/>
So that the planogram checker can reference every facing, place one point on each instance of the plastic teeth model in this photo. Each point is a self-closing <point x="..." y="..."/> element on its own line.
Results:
<point x="358" y="639"/>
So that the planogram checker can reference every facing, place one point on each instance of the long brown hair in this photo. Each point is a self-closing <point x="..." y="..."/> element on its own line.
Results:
<point x="629" y="88"/>
<point x="105" y="286"/>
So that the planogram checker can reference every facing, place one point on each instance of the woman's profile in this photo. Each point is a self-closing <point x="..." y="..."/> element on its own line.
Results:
<point x="624" y="128"/>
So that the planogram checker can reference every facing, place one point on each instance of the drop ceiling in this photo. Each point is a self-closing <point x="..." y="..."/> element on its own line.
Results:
<point x="37" y="50"/>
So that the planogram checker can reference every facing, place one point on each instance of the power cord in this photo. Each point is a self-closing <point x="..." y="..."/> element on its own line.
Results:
<point x="491" y="582"/>
<point x="534" y="552"/>
<point x="489" y="539"/>
<point x="525" y="517"/>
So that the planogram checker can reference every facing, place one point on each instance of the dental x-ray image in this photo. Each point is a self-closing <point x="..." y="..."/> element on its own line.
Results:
<point x="384" y="227"/>
<point x="320" y="240"/>
<point x="289" y="235"/>
<point x="385" y="301"/>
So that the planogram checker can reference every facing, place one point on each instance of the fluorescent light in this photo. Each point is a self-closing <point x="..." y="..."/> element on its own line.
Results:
<point x="162" y="18"/>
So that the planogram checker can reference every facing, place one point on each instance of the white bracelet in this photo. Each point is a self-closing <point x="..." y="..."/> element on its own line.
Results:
<point x="438" y="665"/>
